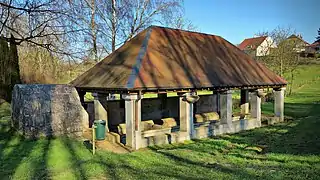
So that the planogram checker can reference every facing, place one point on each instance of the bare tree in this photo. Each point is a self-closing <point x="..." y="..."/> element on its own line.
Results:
<point x="117" y="21"/>
<point x="182" y="23"/>
<point x="32" y="22"/>
<point x="37" y="22"/>
<point x="284" y="59"/>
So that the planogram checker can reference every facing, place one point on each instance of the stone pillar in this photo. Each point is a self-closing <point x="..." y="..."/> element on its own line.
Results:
<point x="279" y="103"/>
<point x="215" y="101"/>
<point x="255" y="104"/>
<point x="133" y="120"/>
<point x="244" y="102"/>
<point x="226" y="110"/>
<point x="99" y="111"/>
<point x="163" y="98"/>
<point x="186" y="101"/>
<point x="137" y="112"/>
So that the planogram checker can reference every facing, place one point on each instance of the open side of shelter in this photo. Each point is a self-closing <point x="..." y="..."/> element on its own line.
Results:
<point x="162" y="60"/>
<point x="186" y="122"/>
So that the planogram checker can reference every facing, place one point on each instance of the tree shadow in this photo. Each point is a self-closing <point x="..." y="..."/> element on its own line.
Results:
<point x="75" y="159"/>
<point x="299" y="137"/>
<point x="15" y="149"/>
<point x="211" y="166"/>
<point x="39" y="165"/>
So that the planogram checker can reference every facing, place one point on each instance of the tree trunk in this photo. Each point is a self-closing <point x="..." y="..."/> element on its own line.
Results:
<point x="9" y="70"/>
<point x="281" y="62"/>
<point x="114" y="22"/>
<point x="14" y="67"/>
<point x="93" y="31"/>
<point x="4" y="54"/>
<point x="292" y="78"/>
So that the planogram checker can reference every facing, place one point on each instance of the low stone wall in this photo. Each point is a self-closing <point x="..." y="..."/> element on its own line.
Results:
<point x="201" y="130"/>
<point x="48" y="110"/>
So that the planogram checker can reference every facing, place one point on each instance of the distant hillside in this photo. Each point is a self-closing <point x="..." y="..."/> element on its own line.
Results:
<point x="306" y="74"/>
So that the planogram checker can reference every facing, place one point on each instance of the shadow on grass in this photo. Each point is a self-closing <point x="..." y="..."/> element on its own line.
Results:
<point x="300" y="136"/>
<point x="215" y="166"/>
<point x="12" y="152"/>
<point x="5" y="110"/>
<point x="16" y="151"/>
<point x="75" y="159"/>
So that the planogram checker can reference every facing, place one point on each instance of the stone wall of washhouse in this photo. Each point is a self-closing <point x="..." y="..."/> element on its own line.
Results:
<point x="207" y="103"/>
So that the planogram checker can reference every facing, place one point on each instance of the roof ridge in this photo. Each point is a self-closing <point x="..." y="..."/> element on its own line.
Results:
<point x="142" y="52"/>
<point x="297" y="36"/>
<point x="257" y="37"/>
<point x="102" y="60"/>
<point x="182" y="30"/>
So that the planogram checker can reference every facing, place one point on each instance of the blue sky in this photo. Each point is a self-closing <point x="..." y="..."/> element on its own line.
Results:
<point x="236" y="20"/>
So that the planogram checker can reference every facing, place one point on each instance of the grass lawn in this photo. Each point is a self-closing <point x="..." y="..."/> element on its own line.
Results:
<point x="284" y="151"/>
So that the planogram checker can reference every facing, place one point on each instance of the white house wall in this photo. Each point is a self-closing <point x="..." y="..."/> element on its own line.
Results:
<point x="264" y="48"/>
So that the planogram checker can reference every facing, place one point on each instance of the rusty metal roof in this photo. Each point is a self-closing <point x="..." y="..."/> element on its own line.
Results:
<point x="164" y="58"/>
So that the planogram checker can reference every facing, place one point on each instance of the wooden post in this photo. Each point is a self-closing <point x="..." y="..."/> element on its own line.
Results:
<point x="93" y="139"/>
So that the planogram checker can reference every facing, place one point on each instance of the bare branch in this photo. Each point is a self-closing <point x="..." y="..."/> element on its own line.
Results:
<point x="30" y="10"/>
<point x="5" y="21"/>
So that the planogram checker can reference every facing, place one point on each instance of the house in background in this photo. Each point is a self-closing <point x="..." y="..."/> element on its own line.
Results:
<point x="301" y="47"/>
<point x="300" y="44"/>
<point x="314" y="47"/>
<point x="257" y="46"/>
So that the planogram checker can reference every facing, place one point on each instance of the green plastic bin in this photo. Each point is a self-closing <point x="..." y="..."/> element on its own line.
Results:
<point x="100" y="129"/>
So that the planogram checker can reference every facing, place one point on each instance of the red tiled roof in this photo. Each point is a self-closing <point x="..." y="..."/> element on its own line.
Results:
<point x="315" y="44"/>
<point x="161" y="58"/>
<point x="251" y="43"/>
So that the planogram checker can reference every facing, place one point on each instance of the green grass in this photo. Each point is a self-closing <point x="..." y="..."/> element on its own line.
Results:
<point x="289" y="150"/>
<point x="305" y="93"/>
<point x="305" y="74"/>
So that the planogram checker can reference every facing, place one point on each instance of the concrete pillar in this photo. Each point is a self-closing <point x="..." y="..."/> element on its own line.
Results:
<point x="186" y="101"/>
<point x="99" y="111"/>
<point x="163" y="98"/>
<point x="226" y="109"/>
<point x="244" y="102"/>
<point x="138" y="122"/>
<point x="215" y="101"/>
<point x="133" y="120"/>
<point x="279" y="103"/>
<point x="255" y="104"/>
